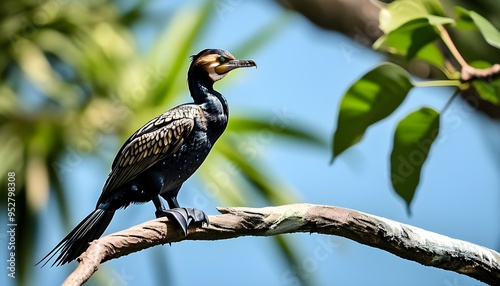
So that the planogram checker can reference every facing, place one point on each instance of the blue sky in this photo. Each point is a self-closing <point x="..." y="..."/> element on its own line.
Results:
<point x="305" y="71"/>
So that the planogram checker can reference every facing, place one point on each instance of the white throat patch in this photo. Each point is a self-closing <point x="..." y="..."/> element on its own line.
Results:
<point x="213" y="74"/>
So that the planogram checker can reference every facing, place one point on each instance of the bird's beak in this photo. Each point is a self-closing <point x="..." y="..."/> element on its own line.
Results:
<point x="234" y="64"/>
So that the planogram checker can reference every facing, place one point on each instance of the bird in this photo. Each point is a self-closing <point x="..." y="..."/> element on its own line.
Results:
<point x="159" y="157"/>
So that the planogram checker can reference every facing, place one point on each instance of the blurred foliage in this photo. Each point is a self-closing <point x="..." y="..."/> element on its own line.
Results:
<point x="72" y="77"/>
<point x="414" y="31"/>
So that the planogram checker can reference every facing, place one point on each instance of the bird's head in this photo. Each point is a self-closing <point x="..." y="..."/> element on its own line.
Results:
<point x="216" y="63"/>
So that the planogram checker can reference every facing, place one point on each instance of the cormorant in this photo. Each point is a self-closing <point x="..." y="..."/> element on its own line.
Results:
<point x="157" y="159"/>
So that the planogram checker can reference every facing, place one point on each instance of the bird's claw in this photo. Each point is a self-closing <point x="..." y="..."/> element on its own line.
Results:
<point x="184" y="216"/>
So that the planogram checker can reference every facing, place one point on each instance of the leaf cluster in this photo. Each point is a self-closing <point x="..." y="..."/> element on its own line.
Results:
<point x="414" y="31"/>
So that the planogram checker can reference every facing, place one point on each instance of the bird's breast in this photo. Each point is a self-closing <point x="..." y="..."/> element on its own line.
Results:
<point x="178" y="167"/>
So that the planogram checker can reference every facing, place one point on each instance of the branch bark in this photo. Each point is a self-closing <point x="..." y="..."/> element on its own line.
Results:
<point x="403" y="240"/>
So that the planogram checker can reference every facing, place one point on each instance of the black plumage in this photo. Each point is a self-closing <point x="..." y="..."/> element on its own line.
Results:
<point x="159" y="157"/>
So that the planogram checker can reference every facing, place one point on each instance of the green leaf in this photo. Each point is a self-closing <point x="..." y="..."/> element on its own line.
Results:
<point x="468" y="20"/>
<point x="413" y="39"/>
<point x="489" y="32"/>
<point x="398" y="13"/>
<point x="488" y="90"/>
<point x="464" y="21"/>
<point x="412" y="141"/>
<point x="370" y="99"/>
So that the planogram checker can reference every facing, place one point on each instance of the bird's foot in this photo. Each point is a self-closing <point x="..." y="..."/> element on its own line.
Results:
<point x="185" y="216"/>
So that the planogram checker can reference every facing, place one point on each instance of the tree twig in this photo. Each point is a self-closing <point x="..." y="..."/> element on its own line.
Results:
<point x="403" y="240"/>
<point x="451" y="46"/>
<point x="468" y="73"/>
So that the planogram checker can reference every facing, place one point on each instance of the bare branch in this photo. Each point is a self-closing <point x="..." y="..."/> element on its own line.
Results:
<point x="403" y="240"/>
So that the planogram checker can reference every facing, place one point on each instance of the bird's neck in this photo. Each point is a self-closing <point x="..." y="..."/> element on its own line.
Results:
<point x="209" y="99"/>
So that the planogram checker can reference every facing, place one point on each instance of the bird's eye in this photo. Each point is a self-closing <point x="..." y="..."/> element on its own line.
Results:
<point x="222" y="59"/>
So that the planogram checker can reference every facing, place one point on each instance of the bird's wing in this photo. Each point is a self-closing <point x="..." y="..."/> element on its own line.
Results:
<point x="156" y="140"/>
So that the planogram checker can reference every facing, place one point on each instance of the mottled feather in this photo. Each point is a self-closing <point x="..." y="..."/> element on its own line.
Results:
<point x="155" y="141"/>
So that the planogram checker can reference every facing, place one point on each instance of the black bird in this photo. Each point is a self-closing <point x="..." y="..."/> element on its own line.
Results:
<point x="159" y="157"/>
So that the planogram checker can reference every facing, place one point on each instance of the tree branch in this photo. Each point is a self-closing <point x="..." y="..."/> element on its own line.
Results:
<point x="357" y="19"/>
<point x="403" y="240"/>
<point x="468" y="73"/>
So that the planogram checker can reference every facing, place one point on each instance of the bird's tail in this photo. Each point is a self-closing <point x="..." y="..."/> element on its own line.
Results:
<point x="77" y="241"/>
